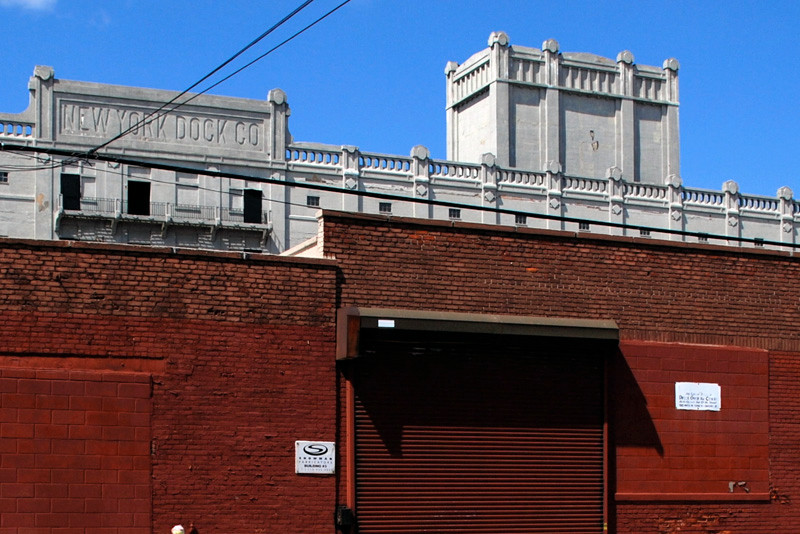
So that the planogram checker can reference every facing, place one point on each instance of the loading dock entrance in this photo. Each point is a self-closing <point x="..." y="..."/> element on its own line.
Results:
<point x="463" y="431"/>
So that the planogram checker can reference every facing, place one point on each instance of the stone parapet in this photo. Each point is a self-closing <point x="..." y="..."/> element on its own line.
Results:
<point x="554" y="199"/>
<point x="224" y="152"/>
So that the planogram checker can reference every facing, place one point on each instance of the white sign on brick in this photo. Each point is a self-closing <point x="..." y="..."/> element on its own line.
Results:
<point x="314" y="457"/>
<point x="698" y="396"/>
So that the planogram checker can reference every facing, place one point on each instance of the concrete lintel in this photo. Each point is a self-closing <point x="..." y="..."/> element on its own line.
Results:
<point x="352" y="320"/>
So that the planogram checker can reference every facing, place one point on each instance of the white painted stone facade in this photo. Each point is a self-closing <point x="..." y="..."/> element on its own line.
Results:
<point x="554" y="158"/>
<point x="580" y="113"/>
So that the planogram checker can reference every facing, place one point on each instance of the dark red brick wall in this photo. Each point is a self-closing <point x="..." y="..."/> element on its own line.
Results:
<point x="239" y="352"/>
<point x="685" y="294"/>
<point x="74" y="451"/>
<point x="685" y="313"/>
<point x="662" y="452"/>
<point x="238" y="356"/>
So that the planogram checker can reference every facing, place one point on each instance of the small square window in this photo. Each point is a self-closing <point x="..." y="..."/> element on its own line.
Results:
<point x="520" y="219"/>
<point x="644" y="232"/>
<point x="385" y="207"/>
<point x="583" y="226"/>
<point x="312" y="202"/>
<point x="759" y="242"/>
<point x="702" y="238"/>
<point x="3" y="177"/>
<point x="454" y="213"/>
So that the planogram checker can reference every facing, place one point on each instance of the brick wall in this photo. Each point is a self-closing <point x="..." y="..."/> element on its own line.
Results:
<point x="685" y="313"/>
<point x="74" y="451"/>
<point x="655" y="292"/>
<point x="664" y="453"/>
<point x="239" y="352"/>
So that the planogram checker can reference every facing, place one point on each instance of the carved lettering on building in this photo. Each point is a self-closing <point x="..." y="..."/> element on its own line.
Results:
<point x="186" y="128"/>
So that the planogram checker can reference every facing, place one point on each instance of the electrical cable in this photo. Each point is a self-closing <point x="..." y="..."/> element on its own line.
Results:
<point x="147" y="119"/>
<point x="155" y="115"/>
<point x="271" y="50"/>
<point x="226" y="78"/>
<point x="400" y="198"/>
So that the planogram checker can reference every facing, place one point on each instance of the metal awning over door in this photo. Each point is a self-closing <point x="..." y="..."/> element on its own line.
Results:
<point x="463" y="432"/>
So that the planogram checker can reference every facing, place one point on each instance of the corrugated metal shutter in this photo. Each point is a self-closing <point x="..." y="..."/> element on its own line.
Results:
<point x="479" y="436"/>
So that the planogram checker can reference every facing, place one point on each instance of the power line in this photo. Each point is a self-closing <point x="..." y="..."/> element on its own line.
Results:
<point x="155" y="115"/>
<point x="399" y="198"/>
<point x="271" y="50"/>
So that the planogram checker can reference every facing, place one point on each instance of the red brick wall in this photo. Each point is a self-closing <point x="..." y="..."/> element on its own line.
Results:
<point x="685" y="294"/>
<point x="74" y="451"/>
<point x="241" y="354"/>
<point x="662" y="452"/>
<point x="673" y="303"/>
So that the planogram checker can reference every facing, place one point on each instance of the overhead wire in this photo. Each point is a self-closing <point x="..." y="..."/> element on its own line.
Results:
<point x="160" y="111"/>
<point x="271" y="50"/>
<point x="150" y="117"/>
<point x="409" y="199"/>
<point x="92" y="153"/>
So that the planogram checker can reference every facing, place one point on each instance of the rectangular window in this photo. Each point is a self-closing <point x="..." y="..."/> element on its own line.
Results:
<point x="385" y="207"/>
<point x="454" y="214"/>
<point x="236" y="200"/>
<point x="252" y="206"/>
<point x="312" y="202"/>
<point x="3" y="177"/>
<point x="187" y="189"/>
<point x="138" y="197"/>
<point x="644" y="232"/>
<point x="584" y="226"/>
<point x="759" y="242"/>
<point x="520" y="219"/>
<point x="71" y="192"/>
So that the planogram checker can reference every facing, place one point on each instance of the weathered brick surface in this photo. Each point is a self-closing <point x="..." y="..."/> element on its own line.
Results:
<point x="239" y="352"/>
<point x="685" y="313"/>
<point x="237" y="356"/>
<point x="663" y="451"/>
<point x="75" y="451"/>
<point x="654" y="292"/>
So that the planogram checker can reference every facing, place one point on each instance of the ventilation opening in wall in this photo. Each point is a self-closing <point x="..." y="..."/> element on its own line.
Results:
<point x="520" y="220"/>
<point x="759" y="242"/>
<point x="702" y="239"/>
<point x="385" y="208"/>
<point x="643" y="232"/>
<point x="312" y="201"/>
<point x="583" y="226"/>
<point x="454" y="214"/>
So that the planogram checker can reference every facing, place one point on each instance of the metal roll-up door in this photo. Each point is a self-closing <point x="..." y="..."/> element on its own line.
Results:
<point x="479" y="434"/>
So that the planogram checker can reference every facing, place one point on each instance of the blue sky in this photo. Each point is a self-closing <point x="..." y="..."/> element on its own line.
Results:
<point x="372" y="75"/>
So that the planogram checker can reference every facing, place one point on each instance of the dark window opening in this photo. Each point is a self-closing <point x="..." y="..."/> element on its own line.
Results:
<point x="385" y="207"/>
<point x="520" y="219"/>
<point x="71" y="191"/>
<point x="583" y="226"/>
<point x="454" y="213"/>
<point x="252" y="206"/>
<point x="138" y="198"/>
<point x="312" y="202"/>
<point x="3" y="177"/>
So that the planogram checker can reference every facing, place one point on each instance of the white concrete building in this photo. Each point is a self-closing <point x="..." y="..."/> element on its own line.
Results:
<point x="536" y="138"/>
